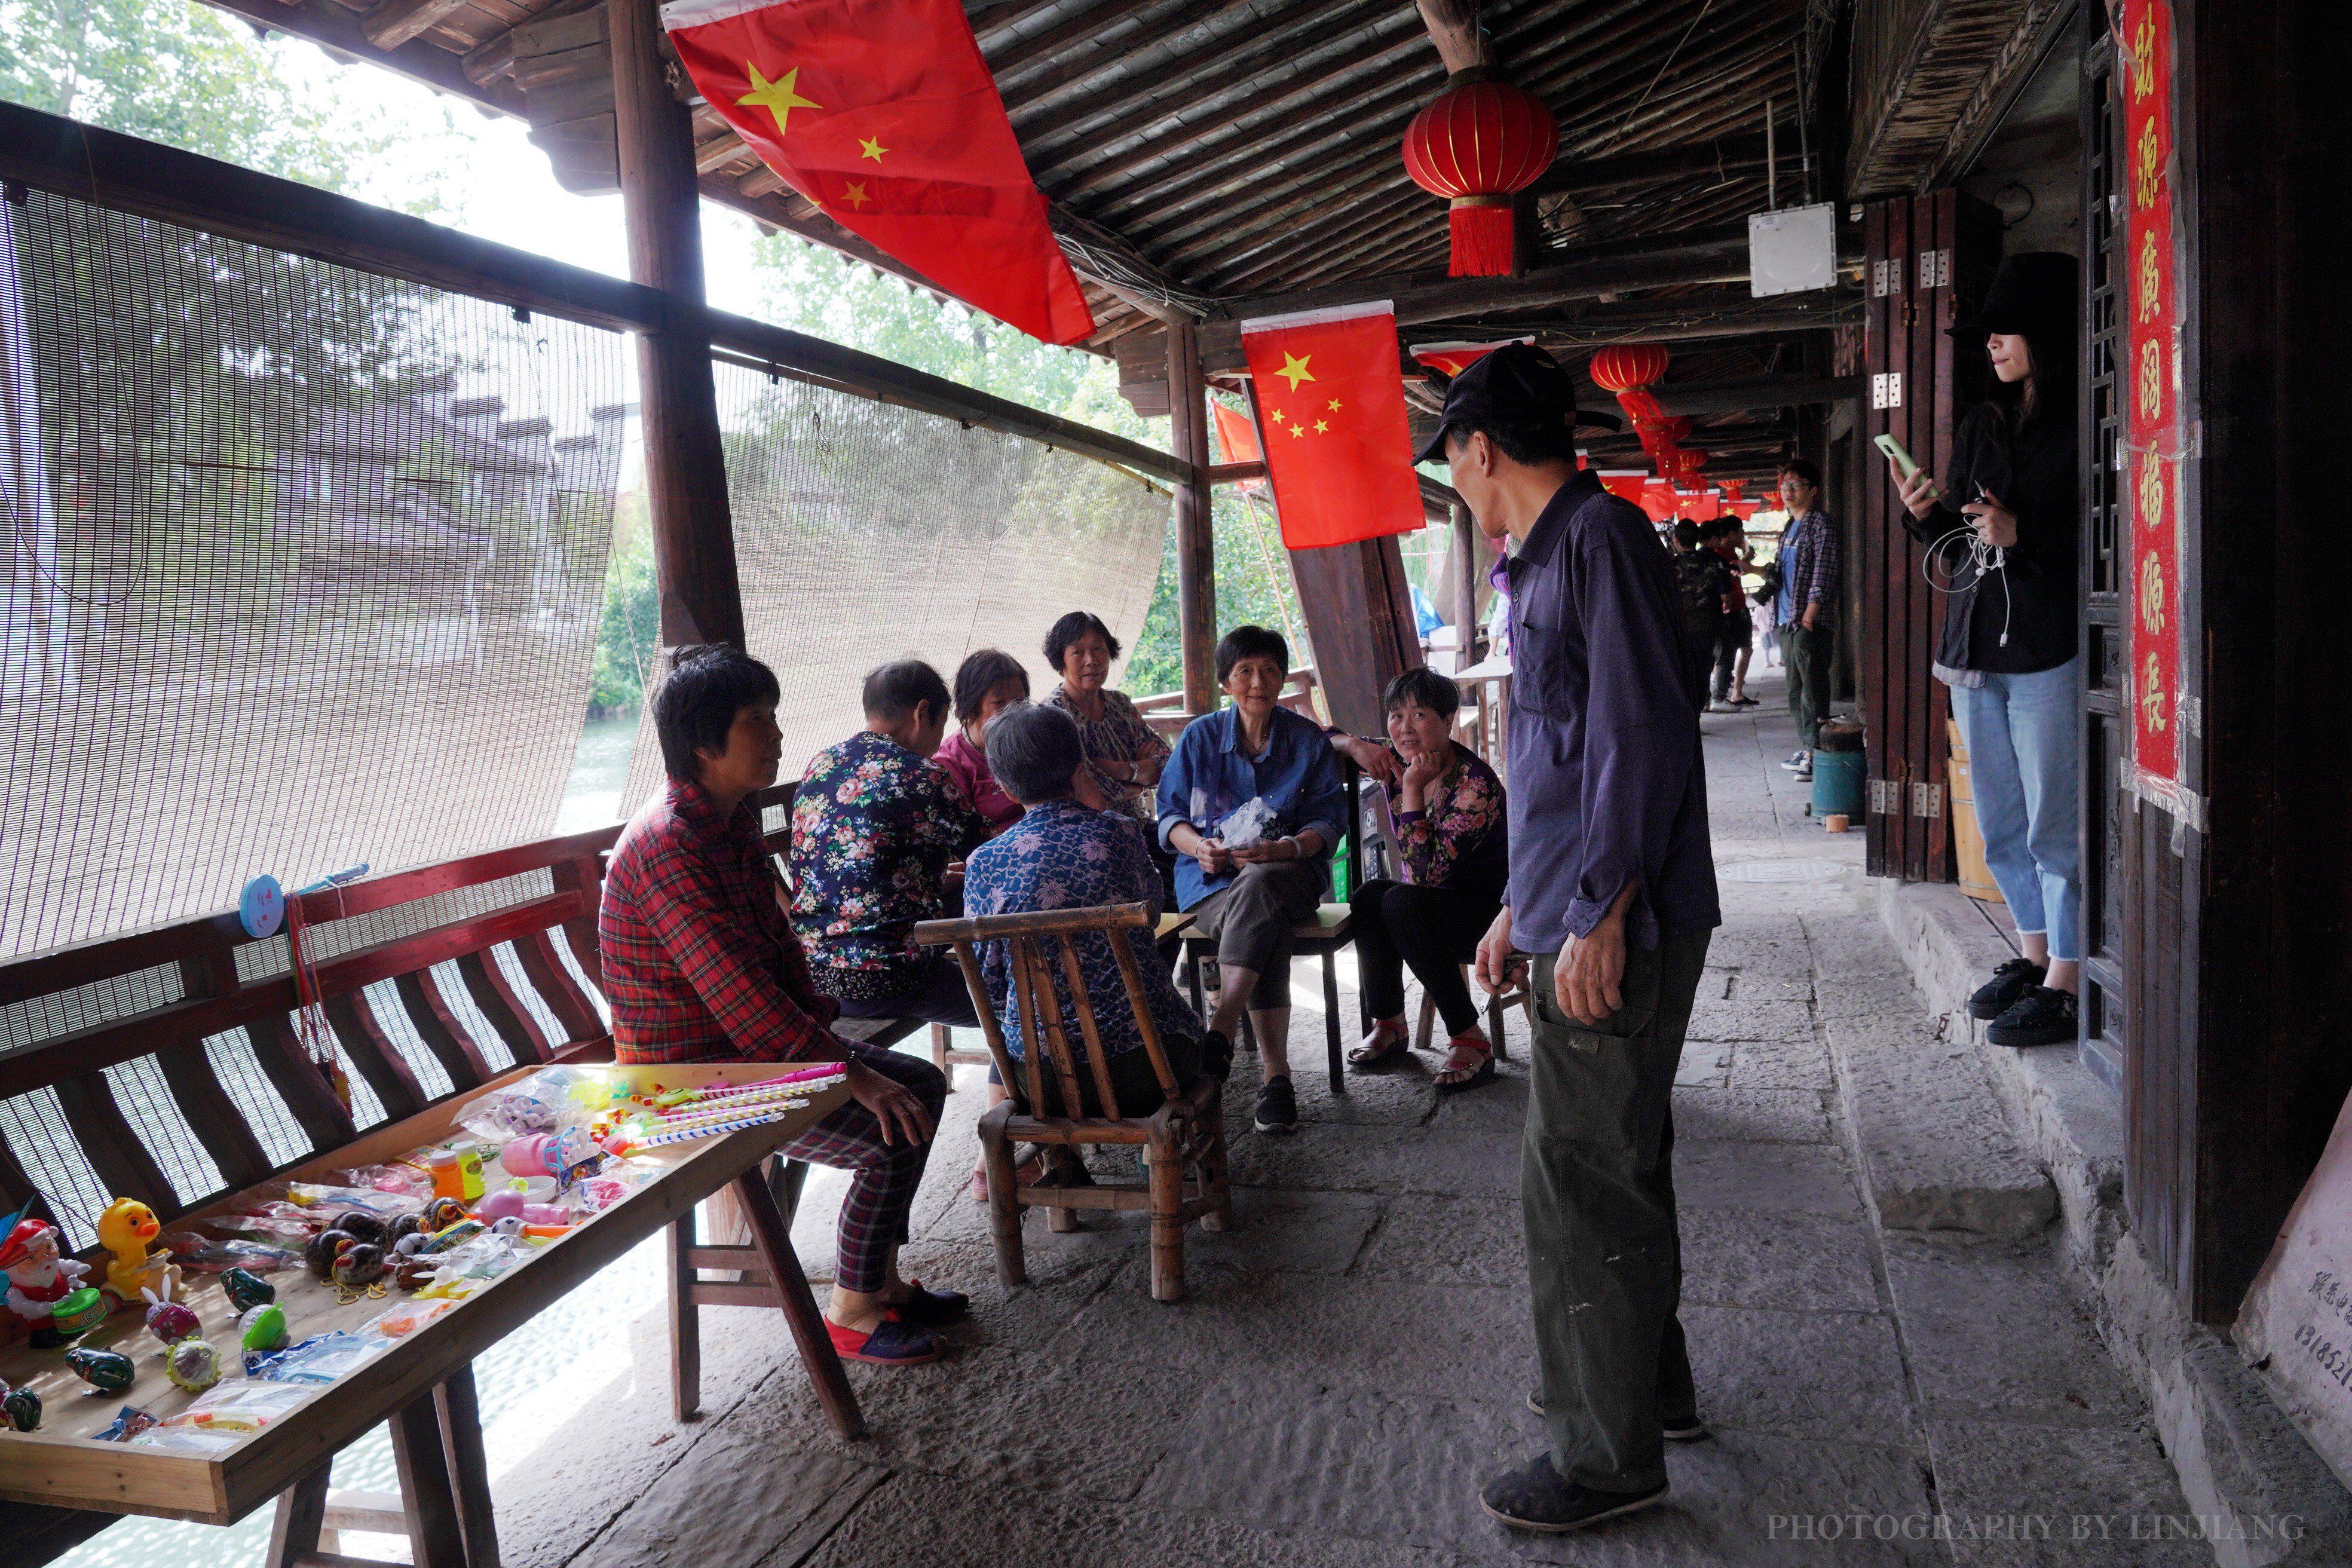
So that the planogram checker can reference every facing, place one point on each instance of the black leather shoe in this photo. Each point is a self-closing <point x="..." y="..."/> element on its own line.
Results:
<point x="1536" y="1497"/>
<point x="2010" y="982"/>
<point x="2040" y="1017"/>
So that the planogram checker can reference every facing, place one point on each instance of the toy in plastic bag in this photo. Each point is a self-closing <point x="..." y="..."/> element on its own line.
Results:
<point x="1249" y="823"/>
<point x="202" y="1255"/>
<point x="198" y="1441"/>
<point x="548" y="1100"/>
<point x="242" y="1406"/>
<point x="344" y="1200"/>
<point x="277" y="1219"/>
<point x="409" y="1317"/>
<point x="322" y="1358"/>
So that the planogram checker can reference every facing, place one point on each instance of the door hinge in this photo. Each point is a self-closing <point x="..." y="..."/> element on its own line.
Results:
<point x="1926" y="800"/>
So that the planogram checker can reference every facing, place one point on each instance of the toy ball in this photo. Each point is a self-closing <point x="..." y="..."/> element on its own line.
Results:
<point x="412" y="1244"/>
<point x="360" y="1263"/>
<point x="263" y="1328"/>
<point x="169" y="1321"/>
<point x="22" y="1407"/>
<point x="324" y="1248"/>
<point x="364" y="1226"/>
<point x="500" y="1205"/>
<point x="107" y="1372"/>
<point x="510" y="1228"/>
<point x="193" y="1365"/>
<point x="246" y="1290"/>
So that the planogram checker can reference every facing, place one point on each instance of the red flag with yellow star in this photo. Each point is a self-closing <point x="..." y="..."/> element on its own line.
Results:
<point x="882" y="114"/>
<point x="1337" y="449"/>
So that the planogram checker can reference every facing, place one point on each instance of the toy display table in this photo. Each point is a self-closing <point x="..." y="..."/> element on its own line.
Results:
<point x="423" y="1385"/>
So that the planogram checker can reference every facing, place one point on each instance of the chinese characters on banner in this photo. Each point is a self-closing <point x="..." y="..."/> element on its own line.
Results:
<point x="2153" y="441"/>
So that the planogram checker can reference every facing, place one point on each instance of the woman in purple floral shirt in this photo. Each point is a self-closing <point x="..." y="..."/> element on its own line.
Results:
<point x="876" y="823"/>
<point x="1450" y="833"/>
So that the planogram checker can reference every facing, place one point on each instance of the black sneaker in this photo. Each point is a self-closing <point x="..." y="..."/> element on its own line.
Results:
<point x="1277" y="1107"/>
<point x="2040" y="1017"/>
<point x="1536" y="1497"/>
<point x="2009" y="982"/>
<point x="1798" y="759"/>
<point x="1678" y="1429"/>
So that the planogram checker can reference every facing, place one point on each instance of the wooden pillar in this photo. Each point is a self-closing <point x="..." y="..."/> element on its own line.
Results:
<point x="1196" y="541"/>
<point x="1465" y="584"/>
<point x="686" y="469"/>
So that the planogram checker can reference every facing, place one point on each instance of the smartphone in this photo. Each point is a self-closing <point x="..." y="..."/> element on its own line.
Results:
<point x="1905" y="463"/>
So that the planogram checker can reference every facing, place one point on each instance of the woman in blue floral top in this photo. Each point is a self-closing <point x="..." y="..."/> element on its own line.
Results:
<point x="1069" y="852"/>
<point x="875" y="825"/>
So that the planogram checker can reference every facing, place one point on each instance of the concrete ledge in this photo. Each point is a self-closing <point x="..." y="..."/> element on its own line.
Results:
<point x="2268" y="1498"/>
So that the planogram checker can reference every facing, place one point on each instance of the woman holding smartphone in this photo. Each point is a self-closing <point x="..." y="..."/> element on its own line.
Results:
<point x="2010" y="646"/>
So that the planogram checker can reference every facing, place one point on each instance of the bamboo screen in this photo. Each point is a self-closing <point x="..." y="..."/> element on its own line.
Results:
<point x="303" y="568"/>
<point x="866" y="532"/>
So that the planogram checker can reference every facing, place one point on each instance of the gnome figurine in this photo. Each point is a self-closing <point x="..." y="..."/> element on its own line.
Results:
<point x="38" y="1276"/>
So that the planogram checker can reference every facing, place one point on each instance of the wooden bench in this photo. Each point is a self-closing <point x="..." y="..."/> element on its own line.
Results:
<point x="170" y="1066"/>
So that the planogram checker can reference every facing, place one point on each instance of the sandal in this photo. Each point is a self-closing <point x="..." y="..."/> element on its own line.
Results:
<point x="929" y="1309"/>
<point x="1385" y="1044"/>
<point x="891" y="1344"/>
<point x="1453" y="1080"/>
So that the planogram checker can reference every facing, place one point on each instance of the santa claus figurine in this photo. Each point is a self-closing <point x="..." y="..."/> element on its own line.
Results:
<point x="38" y="1276"/>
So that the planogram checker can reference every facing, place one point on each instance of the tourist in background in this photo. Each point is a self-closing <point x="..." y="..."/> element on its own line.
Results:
<point x="1734" y="632"/>
<point x="2008" y="650"/>
<point x="1447" y="806"/>
<point x="876" y="827"/>
<point x="1699" y="579"/>
<point x="1809" y="576"/>
<point x="986" y="683"/>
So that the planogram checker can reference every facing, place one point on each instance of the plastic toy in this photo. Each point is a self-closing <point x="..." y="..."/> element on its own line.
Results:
<point x="203" y="1255"/>
<point x="38" y="1276"/>
<point x="502" y="1204"/>
<point x="170" y="1321"/>
<point x="443" y="1213"/>
<point x="193" y="1365"/>
<point x="22" y="1408"/>
<point x="358" y="1264"/>
<point x="324" y="1248"/>
<point x="129" y="1228"/>
<point x="367" y="1226"/>
<point x="247" y="1292"/>
<point x="405" y="1226"/>
<point x="263" y="1328"/>
<point x="79" y="1312"/>
<point x="241" y="1406"/>
<point x="106" y="1371"/>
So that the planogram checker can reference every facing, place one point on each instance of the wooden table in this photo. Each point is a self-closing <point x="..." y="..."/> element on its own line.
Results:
<point x="1486" y="685"/>
<point x="422" y="1387"/>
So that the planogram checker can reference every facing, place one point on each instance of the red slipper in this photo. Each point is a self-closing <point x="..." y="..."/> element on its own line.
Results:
<point x="893" y="1342"/>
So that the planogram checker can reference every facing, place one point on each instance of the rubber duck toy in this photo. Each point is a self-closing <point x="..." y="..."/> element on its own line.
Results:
<point x="128" y="1228"/>
<point x="39" y="1276"/>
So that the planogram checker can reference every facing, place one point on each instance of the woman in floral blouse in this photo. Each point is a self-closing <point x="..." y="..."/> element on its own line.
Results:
<point x="1124" y="753"/>
<point x="1450" y="833"/>
<point x="875" y="825"/>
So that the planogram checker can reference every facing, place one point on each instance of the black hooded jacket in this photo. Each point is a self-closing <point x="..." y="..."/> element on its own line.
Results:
<point x="2023" y="618"/>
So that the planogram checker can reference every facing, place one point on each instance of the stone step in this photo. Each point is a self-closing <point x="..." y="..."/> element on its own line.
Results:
<point x="1935" y="1144"/>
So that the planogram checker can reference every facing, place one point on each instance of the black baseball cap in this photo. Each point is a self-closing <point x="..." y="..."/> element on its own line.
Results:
<point x="1519" y="384"/>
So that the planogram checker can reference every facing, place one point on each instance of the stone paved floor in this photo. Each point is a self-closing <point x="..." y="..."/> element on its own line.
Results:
<point x="1351" y="1360"/>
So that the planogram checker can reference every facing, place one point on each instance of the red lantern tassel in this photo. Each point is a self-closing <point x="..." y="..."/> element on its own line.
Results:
<point x="1481" y="227"/>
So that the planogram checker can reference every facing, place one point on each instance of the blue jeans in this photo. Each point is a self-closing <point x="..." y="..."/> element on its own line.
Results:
<point x="2024" y="739"/>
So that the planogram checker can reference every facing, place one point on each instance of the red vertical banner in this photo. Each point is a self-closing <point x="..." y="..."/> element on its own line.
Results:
<point x="2153" y="424"/>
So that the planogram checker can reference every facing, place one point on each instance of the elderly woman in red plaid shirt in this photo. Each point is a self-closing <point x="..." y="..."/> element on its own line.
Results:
<point x="700" y="965"/>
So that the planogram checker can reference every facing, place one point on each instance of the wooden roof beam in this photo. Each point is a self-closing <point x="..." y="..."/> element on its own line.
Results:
<point x="338" y="30"/>
<point x="1454" y="27"/>
<point x="1080" y="66"/>
<point x="388" y="24"/>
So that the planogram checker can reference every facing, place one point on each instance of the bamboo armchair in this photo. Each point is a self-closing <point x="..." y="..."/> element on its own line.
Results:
<point x="1186" y="1135"/>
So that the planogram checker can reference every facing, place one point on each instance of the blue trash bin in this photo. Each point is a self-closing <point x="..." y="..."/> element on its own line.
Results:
<point x="1837" y="774"/>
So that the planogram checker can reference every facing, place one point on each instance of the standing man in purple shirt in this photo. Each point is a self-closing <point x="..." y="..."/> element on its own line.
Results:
<point x="1612" y="900"/>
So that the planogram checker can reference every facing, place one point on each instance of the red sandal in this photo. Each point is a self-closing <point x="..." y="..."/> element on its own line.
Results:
<point x="1385" y="1044"/>
<point x="893" y="1342"/>
<point x="1482" y="1073"/>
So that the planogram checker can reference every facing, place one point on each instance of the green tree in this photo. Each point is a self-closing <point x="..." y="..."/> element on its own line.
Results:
<point x="183" y="74"/>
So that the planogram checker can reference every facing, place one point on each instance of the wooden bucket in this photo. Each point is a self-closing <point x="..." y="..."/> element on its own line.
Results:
<point x="1976" y="879"/>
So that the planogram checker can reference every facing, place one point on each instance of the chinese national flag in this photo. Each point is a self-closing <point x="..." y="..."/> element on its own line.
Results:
<point x="1332" y="402"/>
<point x="1451" y="360"/>
<point x="1240" y="442"/>
<point x="882" y="114"/>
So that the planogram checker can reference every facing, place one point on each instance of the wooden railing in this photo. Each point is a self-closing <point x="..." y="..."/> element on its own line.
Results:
<point x="215" y="998"/>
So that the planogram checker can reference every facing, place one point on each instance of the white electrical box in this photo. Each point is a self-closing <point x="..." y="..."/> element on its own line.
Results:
<point x="1791" y="250"/>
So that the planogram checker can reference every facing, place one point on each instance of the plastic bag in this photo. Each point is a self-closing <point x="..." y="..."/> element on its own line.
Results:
<point x="547" y="1101"/>
<point x="1249" y="823"/>
<point x="242" y="1406"/>
<point x="409" y="1317"/>
<point x="322" y="1358"/>
<point x="277" y="1219"/>
<point x="203" y="1255"/>
<point x="344" y="1200"/>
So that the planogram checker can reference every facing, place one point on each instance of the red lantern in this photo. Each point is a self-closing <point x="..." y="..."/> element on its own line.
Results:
<point x="1687" y="464"/>
<point x="1733" y="488"/>
<point x="1478" y="143"/>
<point x="1628" y="367"/>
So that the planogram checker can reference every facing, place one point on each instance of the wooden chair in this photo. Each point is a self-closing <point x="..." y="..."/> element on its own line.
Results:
<point x="1186" y="1133"/>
